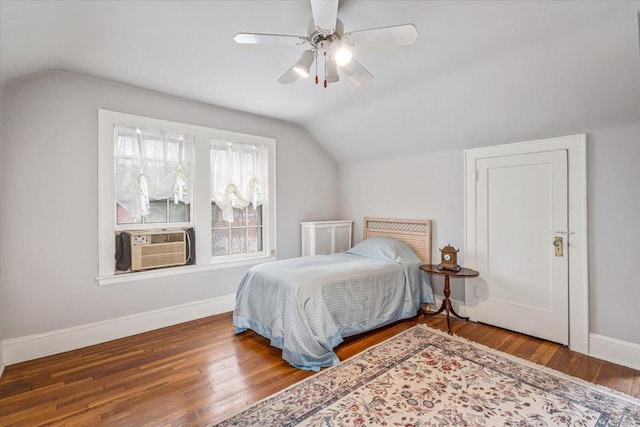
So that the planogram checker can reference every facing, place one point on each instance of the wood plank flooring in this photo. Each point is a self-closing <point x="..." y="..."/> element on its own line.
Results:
<point x="198" y="373"/>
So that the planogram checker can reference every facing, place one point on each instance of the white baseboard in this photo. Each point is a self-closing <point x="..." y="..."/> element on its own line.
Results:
<point x="614" y="350"/>
<point x="29" y="347"/>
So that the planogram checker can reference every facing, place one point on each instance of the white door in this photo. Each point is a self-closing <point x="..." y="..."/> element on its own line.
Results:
<point x="521" y="207"/>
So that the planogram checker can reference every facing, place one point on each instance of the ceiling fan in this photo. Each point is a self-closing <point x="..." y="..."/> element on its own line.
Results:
<point x="327" y="40"/>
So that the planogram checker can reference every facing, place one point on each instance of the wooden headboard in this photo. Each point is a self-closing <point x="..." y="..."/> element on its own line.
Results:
<point x="416" y="233"/>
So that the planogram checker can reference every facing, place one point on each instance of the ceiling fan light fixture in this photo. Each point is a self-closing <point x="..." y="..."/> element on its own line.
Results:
<point x="341" y="54"/>
<point x="303" y="66"/>
<point x="304" y="73"/>
<point x="331" y="72"/>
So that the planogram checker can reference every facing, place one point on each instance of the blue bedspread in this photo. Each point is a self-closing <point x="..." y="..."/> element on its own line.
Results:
<point x="305" y="306"/>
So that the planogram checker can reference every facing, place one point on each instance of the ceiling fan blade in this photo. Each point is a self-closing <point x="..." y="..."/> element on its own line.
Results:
<point x="358" y="75"/>
<point x="325" y="14"/>
<point x="396" y="35"/>
<point x="290" y="76"/>
<point x="281" y="39"/>
<point x="301" y="68"/>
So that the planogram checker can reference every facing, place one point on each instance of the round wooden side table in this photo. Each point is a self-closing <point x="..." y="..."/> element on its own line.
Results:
<point x="446" y="303"/>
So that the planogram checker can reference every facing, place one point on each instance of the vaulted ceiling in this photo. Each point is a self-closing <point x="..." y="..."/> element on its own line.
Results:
<point x="479" y="73"/>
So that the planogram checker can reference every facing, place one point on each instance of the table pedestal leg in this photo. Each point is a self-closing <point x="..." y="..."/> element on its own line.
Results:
<point x="446" y="305"/>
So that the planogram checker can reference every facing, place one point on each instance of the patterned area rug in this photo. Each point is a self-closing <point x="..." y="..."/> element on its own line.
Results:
<point x="423" y="377"/>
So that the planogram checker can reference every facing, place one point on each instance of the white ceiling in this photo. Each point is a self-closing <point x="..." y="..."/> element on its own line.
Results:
<point x="479" y="73"/>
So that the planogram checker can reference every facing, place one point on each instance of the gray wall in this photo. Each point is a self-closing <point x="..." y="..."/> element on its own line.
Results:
<point x="614" y="231"/>
<point x="49" y="216"/>
<point x="1" y="210"/>
<point x="431" y="186"/>
<point x="417" y="187"/>
<point x="48" y="205"/>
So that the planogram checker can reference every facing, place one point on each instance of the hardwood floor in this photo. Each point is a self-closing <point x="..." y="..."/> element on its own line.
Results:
<point x="199" y="372"/>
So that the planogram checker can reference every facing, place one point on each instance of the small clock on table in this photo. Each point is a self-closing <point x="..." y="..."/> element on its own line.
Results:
<point x="449" y="259"/>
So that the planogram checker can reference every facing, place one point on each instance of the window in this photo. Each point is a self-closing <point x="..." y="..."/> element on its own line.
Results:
<point x="157" y="175"/>
<point x="152" y="177"/>
<point x="238" y="175"/>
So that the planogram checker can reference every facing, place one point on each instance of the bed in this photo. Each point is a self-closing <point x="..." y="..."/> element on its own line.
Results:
<point x="306" y="306"/>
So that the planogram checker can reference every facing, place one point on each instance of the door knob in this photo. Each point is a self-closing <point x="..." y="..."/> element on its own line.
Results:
<point x="557" y="246"/>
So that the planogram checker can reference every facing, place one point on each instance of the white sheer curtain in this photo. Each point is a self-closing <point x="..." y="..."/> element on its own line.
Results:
<point x="238" y="175"/>
<point x="151" y="164"/>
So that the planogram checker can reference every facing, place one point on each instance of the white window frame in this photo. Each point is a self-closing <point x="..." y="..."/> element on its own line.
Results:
<point x="200" y="214"/>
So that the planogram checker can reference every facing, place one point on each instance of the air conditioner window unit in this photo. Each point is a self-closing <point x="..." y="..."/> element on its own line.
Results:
<point x="154" y="249"/>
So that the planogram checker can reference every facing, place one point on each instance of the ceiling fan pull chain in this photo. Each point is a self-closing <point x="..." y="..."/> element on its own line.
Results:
<point x="325" y="69"/>
<point x="316" y="67"/>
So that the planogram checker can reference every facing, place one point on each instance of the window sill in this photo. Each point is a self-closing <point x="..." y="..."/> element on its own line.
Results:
<point x="176" y="271"/>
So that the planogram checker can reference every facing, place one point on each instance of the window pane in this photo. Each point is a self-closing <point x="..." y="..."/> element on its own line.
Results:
<point x="239" y="217"/>
<point x="216" y="217"/>
<point x="238" y="241"/>
<point x="254" y="243"/>
<point x="124" y="216"/>
<point x="178" y="212"/>
<point x="158" y="210"/>
<point x="254" y="216"/>
<point x="220" y="242"/>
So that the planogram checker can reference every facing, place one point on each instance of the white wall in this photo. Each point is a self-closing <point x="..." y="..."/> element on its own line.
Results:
<point x="49" y="246"/>
<point x="1" y="209"/>
<point x="417" y="187"/>
<point x="48" y="205"/>
<point x="614" y="231"/>
<point x="430" y="186"/>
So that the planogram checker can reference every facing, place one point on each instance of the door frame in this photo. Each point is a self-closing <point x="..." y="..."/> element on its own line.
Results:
<point x="576" y="146"/>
